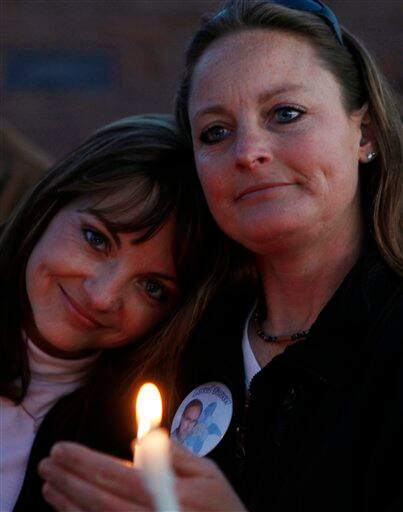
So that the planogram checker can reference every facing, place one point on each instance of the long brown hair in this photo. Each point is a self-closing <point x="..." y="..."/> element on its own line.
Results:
<point x="361" y="83"/>
<point x="147" y="159"/>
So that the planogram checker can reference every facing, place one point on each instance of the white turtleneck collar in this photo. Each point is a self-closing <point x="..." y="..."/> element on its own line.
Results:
<point x="48" y="368"/>
<point x="51" y="377"/>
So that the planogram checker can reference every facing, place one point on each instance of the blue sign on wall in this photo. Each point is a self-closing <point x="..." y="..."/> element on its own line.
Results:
<point x="55" y="70"/>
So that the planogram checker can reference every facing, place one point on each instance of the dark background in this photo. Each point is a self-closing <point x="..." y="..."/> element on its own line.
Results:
<point x="71" y="66"/>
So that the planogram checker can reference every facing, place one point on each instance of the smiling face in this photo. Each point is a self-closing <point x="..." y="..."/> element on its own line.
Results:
<point x="90" y="288"/>
<point x="276" y="152"/>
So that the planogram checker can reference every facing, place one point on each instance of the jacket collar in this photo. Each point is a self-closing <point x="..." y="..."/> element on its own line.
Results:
<point x="346" y="327"/>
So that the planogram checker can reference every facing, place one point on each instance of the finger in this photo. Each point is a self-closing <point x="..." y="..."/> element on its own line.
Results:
<point x="186" y="464"/>
<point x="81" y="495"/>
<point x="109" y="473"/>
<point x="201" y="485"/>
<point x="62" y="504"/>
<point x="58" y="501"/>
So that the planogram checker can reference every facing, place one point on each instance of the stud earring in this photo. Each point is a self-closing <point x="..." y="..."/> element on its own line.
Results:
<point x="371" y="155"/>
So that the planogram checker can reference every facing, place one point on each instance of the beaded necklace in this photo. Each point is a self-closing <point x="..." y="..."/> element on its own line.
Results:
<point x="299" y="335"/>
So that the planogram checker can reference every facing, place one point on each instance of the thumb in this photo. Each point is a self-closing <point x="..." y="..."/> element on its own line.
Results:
<point x="186" y="464"/>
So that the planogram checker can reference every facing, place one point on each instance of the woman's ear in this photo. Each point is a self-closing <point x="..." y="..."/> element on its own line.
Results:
<point x="368" y="149"/>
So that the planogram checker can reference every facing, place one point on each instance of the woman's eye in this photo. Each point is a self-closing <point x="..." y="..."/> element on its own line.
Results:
<point x="287" y="114"/>
<point x="95" y="239"/>
<point x="214" y="134"/>
<point x="154" y="290"/>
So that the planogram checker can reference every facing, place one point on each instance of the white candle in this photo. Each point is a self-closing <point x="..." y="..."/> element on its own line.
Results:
<point x="152" y="450"/>
<point x="157" y="470"/>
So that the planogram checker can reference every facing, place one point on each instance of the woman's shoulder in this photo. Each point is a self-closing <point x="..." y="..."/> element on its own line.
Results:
<point x="82" y="417"/>
<point x="381" y="285"/>
<point x="371" y="286"/>
<point x="381" y="293"/>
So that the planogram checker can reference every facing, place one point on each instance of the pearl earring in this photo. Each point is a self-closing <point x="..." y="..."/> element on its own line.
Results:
<point x="371" y="155"/>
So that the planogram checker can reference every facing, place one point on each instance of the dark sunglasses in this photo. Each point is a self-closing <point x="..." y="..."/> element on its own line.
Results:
<point x="315" y="7"/>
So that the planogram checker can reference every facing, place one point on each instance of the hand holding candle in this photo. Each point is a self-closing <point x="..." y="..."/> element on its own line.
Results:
<point x="152" y="449"/>
<point x="79" y="478"/>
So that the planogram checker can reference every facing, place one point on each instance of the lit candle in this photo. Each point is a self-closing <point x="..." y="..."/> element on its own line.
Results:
<point x="148" y="415"/>
<point x="152" y="449"/>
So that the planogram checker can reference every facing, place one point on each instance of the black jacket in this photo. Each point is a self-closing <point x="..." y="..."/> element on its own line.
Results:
<point x="104" y="423"/>
<point x="323" y="426"/>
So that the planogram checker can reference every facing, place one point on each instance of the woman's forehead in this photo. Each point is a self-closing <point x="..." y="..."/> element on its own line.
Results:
<point x="252" y="60"/>
<point x="255" y="43"/>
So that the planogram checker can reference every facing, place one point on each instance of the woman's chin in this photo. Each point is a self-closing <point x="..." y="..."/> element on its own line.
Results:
<point x="65" y="348"/>
<point x="59" y="352"/>
<point x="262" y="236"/>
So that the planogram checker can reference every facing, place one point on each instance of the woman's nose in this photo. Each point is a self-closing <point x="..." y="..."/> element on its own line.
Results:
<point x="105" y="292"/>
<point x="252" y="149"/>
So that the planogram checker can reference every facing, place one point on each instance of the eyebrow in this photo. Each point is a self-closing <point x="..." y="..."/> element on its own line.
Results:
<point x="262" y="98"/>
<point x="166" y="277"/>
<point x="268" y="95"/>
<point x="105" y="223"/>
<point x="113" y="233"/>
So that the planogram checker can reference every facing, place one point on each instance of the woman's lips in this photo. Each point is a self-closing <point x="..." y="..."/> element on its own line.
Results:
<point x="260" y="188"/>
<point x="80" y="313"/>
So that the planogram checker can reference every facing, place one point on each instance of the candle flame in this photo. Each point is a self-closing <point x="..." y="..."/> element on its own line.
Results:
<point x="148" y="409"/>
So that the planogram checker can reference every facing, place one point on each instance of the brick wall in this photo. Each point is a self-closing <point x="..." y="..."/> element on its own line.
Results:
<point x="139" y="46"/>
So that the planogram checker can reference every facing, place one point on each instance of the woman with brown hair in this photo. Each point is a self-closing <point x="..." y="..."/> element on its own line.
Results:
<point x="98" y="264"/>
<point x="298" y="149"/>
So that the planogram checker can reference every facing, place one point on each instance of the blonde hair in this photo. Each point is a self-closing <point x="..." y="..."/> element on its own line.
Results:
<point x="361" y="83"/>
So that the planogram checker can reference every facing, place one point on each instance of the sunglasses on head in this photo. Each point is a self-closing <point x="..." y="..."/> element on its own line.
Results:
<point x="315" y="7"/>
